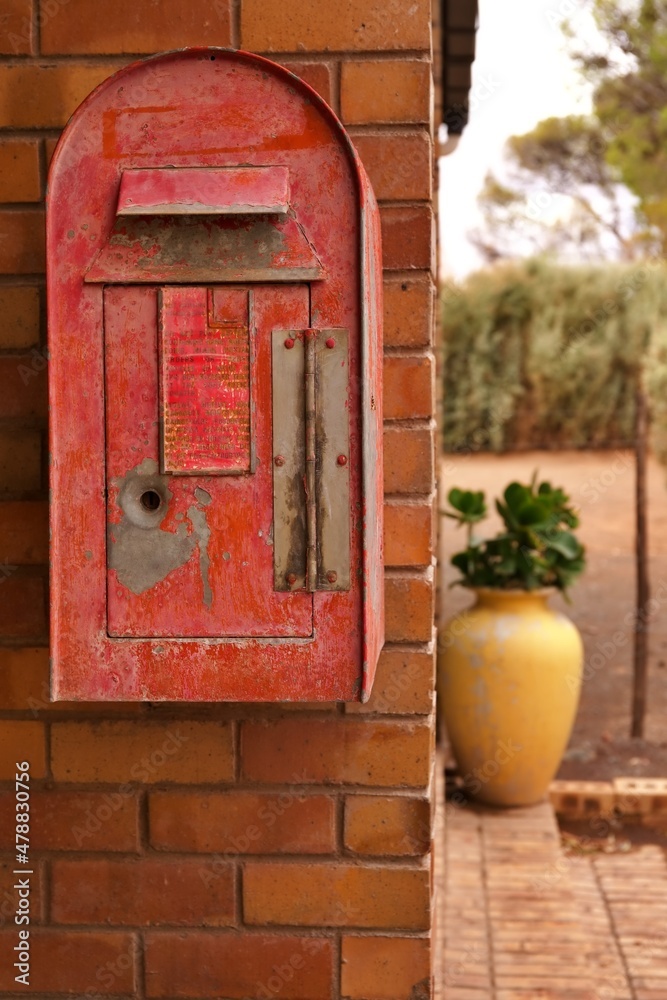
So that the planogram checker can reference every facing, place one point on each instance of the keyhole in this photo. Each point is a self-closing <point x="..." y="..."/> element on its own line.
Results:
<point x="150" y="500"/>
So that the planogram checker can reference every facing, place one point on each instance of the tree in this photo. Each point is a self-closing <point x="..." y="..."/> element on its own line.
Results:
<point x="629" y="73"/>
<point x="593" y="187"/>
<point x="562" y="198"/>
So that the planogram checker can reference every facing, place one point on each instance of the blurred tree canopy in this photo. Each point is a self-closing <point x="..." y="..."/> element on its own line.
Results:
<point x="593" y="187"/>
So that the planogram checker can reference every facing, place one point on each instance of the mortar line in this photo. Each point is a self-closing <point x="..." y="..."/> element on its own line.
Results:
<point x="487" y="909"/>
<point x="612" y="927"/>
<point x="235" y="24"/>
<point x="140" y="964"/>
<point x="36" y="39"/>
<point x="339" y="825"/>
<point x="143" y="821"/>
<point x="237" y="882"/>
<point x="337" y="950"/>
<point x="336" y="76"/>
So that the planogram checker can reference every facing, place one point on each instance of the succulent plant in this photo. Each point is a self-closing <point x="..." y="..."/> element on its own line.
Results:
<point x="537" y="547"/>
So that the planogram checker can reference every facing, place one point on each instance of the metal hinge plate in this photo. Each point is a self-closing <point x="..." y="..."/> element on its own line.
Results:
<point x="311" y="460"/>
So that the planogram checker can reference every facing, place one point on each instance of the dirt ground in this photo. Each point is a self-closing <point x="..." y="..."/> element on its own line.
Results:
<point x="601" y="484"/>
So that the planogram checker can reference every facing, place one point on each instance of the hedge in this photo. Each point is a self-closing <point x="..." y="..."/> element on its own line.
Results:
<point x="538" y="355"/>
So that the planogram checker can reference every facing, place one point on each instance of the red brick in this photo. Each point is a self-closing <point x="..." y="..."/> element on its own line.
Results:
<point x="19" y="316"/>
<point x="83" y="962"/>
<point x="22" y="239"/>
<point x="22" y="606"/>
<point x="408" y="237"/>
<point x="409" y="465"/>
<point x="237" y="966"/>
<point x="35" y="95"/>
<point x="316" y="74"/>
<point x="23" y="388"/>
<point x="339" y="750"/>
<point x="409" y="609"/>
<point x="408" y="534"/>
<point x="20" y="461"/>
<point x="25" y="684"/>
<point x="242" y="822"/>
<point x="298" y="25"/>
<point x="8" y="880"/>
<point x="336" y="895"/>
<point x="19" y="742"/>
<point x="19" y="170"/>
<point x="146" y="891"/>
<point x="16" y="28"/>
<point x="111" y="27"/>
<point x="146" y="752"/>
<point x="385" y="92"/>
<point x="76" y="821"/>
<point x="408" y="387"/>
<point x="24" y="533"/>
<point x="24" y="676"/>
<point x="391" y="825"/>
<point x="399" y="166"/>
<point x="404" y="684"/>
<point x="383" y="968"/>
<point x="408" y="311"/>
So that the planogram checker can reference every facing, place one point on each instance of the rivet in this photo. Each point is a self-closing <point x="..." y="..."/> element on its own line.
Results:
<point x="341" y="460"/>
<point x="291" y="578"/>
<point x="289" y="343"/>
<point x="331" y="576"/>
<point x="279" y="460"/>
<point x="330" y="342"/>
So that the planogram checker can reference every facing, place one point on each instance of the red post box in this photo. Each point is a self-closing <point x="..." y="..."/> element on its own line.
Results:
<point x="214" y="311"/>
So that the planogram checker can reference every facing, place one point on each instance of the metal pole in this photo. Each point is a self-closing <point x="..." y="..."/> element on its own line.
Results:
<point x="640" y="659"/>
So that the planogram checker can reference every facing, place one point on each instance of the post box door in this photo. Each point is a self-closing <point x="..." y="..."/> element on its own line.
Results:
<point x="190" y="463"/>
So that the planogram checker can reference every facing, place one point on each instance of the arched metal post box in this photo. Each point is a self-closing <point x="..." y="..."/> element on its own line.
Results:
<point x="214" y="312"/>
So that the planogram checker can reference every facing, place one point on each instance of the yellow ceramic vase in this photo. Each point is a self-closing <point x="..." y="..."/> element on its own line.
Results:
<point x="509" y="676"/>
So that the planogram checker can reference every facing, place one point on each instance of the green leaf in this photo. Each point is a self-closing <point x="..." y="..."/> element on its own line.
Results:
<point x="532" y="513"/>
<point x="516" y="495"/>
<point x="469" y="504"/>
<point x="455" y="498"/>
<point x="566" y="544"/>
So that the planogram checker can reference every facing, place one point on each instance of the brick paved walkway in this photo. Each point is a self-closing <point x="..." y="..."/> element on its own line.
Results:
<point x="525" y="922"/>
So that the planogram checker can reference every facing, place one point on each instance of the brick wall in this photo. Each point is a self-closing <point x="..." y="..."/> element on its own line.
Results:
<point x="222" y="850"/>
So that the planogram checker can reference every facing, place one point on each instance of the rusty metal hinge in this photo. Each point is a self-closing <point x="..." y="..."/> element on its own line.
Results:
<point x="311" y="473"/>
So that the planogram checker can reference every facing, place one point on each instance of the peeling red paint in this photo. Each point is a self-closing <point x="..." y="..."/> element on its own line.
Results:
<point x="204" y="190"/>
<point x="203" y="621"/>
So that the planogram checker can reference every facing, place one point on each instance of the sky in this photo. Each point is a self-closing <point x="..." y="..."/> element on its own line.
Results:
<point x="521" y="74"/>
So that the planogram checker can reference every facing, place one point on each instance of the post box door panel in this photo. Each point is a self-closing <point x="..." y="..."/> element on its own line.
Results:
<point x="189" y="451"/>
